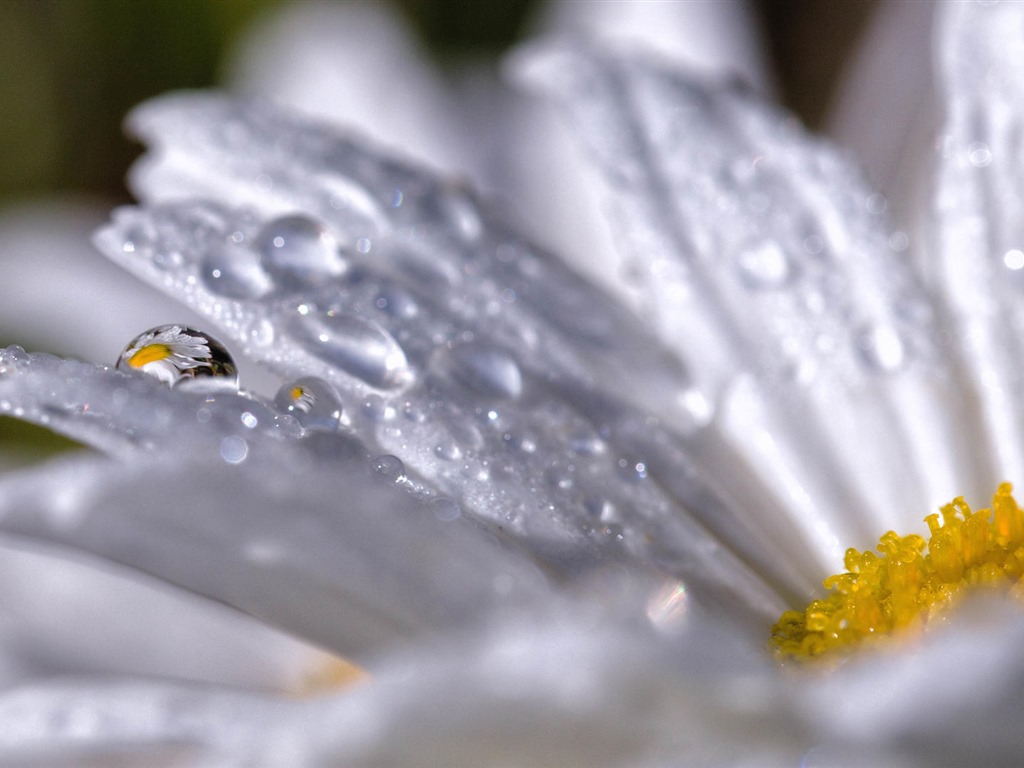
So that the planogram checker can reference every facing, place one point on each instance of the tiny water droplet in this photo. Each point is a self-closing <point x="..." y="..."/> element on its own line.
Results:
<point x="359" y="347"/>
<point x="312" y="401"/>
<point x="882" y="348"/>
<point x="876" y="204"/>
<point x="489" y="371"/>
<point x="233" y="449"/>
<point x="764" y="266"/>
<point x="389" y="468"/>
<point x="236" y="272"/>
<point x="448" y="451"/>
<point x="249" y="420"/>
<point x="979" y="154"/>
<point x="376" y="408"/>
<point x="445" y="509"/>
<point x="299" y="250"/>
<point x="396" y="302"/>
<point x="180" y="357"/>
<point x="1014" y="259"/>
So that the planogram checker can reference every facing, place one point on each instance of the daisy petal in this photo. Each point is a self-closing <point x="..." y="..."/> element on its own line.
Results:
<point x="474" y="357"/>
<point x="327" y="551"/>
<point x="979" y="237"/>
<point x="767" y="265"/>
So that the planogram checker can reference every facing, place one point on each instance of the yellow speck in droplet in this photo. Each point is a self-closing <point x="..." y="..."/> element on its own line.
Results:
<point x="911" y="581"/>
<point x="296" y="392"/>
<point x="150" y="353"/>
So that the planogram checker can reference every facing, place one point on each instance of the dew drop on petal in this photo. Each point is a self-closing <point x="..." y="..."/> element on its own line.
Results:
<point x="359" y="347"/>
<point x="1013" y="259"/>
<point x="389" y="468"/>
<point x="299" y="250"/>
<point x="764" y="266"/>
<point x="489" y="371"/>
<point x="233" y="449"/>
<point x="444" y="508"/>
<point x="881" y="348"/>
<point x="235" y="272"/>
<point x="312" y="401"/>
<point x="180" y="357"/>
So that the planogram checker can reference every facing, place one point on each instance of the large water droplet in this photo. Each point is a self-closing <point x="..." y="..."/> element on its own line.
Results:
<point x="312" y="401"/>
<point x="298" y="250"/>
<point x="764" y="266"/>
<point x="180" y="357"/>
<point x="233" y="271"/>
<point x="491" y="372"/>
<point x="882" y="348"/>
<point x="357" y="346"/>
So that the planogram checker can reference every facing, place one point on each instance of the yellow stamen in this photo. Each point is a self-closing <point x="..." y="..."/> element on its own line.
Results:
<point x="911" y="581"/>
<point x="150" y="353"/>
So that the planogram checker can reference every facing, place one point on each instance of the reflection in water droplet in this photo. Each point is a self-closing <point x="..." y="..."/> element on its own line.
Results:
<point x="180" y="357"/>
<point x="232" y="271"/>
<point x="764" y="266"/>
<point x="357" y="346"/>
<point x="313" y="402"/>
<point x="882" y="348"/>
<point x="299" y="250"/>
<point x="389" y="468"/>
<point x="667" y="606"/>
<point x="1014" y="259"/>
<point x="697" y="406"/>
<point x="489" y="371"/>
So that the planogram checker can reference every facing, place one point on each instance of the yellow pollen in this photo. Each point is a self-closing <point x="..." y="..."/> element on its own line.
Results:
<point x="910" y="581"/>
<point x="150" y="354"/>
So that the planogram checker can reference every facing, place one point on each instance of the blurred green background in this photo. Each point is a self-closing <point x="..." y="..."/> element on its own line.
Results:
<point x="71" y="69"/>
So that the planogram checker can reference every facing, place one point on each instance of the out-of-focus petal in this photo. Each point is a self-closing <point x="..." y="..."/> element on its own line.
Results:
<point x="357" y="65"/>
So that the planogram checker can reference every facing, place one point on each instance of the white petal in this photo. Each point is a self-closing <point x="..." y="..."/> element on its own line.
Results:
<point x="767" y="265"/>
<point x="978" y="217"/>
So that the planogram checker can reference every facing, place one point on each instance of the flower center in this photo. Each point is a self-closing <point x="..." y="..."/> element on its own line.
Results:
<point x="911" y="581"/>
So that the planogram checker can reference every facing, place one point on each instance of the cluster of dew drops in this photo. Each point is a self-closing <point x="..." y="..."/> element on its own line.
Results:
<point x="292" y="252"/>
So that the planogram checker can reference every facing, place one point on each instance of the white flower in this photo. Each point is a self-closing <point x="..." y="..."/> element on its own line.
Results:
<point x="551" y="535"/>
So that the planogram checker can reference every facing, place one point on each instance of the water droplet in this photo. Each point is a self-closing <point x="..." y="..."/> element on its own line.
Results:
<point x="364" y="244"/>
<point x="696" y="406"/>
<point x="489" y="371"/>
<point x="389" y="468"/>
<point x="262" y="332"/>
<point x="876" y="204"/>
<point x="462" y="215"/>
<point x="979" y="154"/>
<point x="445" y="509"/>
<point x="448" y="451"/>
<point x="236" y="272"/>
<point x="358" y="346"/>
<point x="882" y="348"/>
<point x="249" y="420"/>
<point x="1014" y="259"/>
<point x="313" y="402"/>
<point x="376" y="408"/>
<point x="299" y="250"/>
<point x="396" y="302"/>
<point x="764" y="266"/>
<point x="180" y="357"/>
<point x="233" y="449"/>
